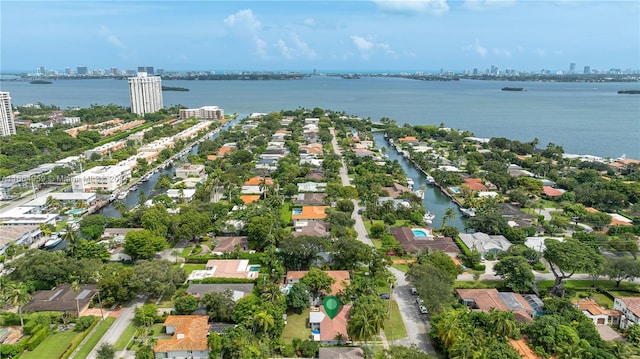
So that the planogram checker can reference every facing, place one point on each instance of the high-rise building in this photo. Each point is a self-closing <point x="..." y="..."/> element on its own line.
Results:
<point x="587" y="70"/>
<point x="82" y="70"/>
<point x="7" y="125"/>
<point x="572" y="68"/>
<point x="147" y="69"/>
<point x="145" y="93"/>
<point x="42" y="70"/>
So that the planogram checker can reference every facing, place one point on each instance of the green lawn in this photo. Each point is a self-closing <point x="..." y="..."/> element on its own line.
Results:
<point x="297" y="326"/>
<point x="480" y="284"/>
<point x="285" y="212"/>
<point x="394" y="326"/>
<point x="52" y="347"/>
<point x="94" y="338"/>
<point x="190" y="267"/>
<point x="125" y="337"/>
<point x="186" y="251"/>
<point x="401" y="267"/>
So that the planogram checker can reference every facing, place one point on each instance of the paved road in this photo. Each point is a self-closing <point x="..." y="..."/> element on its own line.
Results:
<point x="119" y="325"/>
<point x="27" y="198"/>
<point x="416" y="324"/>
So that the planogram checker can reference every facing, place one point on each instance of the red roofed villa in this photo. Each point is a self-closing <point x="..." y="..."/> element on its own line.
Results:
<point x="189" y="337"/>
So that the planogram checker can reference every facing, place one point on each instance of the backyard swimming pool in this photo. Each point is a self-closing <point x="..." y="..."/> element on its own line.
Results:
<point x="297" y="211"/>
<point x="419" y="232"/>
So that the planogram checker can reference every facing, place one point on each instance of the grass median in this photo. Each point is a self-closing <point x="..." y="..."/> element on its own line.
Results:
<point x="94" y="338"/>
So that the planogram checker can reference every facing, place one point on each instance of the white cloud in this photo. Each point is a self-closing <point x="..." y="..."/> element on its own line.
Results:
<point x="247" y="25"/>
<point x="296" y="49"/>
<point x="487" y="4"/>
<point x="435" y="7"/>
<point x="477" y="48"/>
<point x="243" y="19"/>
<point x="502" y="52"/>
<point x="366" y="47"/>
<point x="111" y="38"/>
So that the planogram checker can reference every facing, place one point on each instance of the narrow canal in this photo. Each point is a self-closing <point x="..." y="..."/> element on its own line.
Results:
<point x="434" y="200"/>
<point x="147" y="187"/>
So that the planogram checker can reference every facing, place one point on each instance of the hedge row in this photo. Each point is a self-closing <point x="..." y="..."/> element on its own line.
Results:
<point x="37" y="338"/>
<point x="223" y="281"/>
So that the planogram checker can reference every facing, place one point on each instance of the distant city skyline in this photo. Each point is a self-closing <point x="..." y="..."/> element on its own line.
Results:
<point x="419" y="35"/>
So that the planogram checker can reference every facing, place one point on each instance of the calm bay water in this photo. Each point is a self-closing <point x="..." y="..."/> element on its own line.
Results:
<point x="585" y="118"/>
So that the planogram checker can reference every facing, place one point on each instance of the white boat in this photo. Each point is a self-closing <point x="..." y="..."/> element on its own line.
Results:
<point x="419" y="193"/>
<point x="133" y="188"/>
<point x="409" y="182"/>
<point x="52" y="242"/>
<point x="430" y="180"/>
<point x="123" y="195"/>
<point x="468" y="212"/>
<point x="428" y="218"/>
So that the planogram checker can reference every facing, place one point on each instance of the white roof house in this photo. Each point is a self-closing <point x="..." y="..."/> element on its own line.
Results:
<point x="485" y="243"/>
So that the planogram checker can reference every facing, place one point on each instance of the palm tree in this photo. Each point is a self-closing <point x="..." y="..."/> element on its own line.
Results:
<point x="448" y="214"/>
<point x="17" y="296"/>
<point x="502" y="323"/>
<point x="120" y="207"/>
<point x="72" y="239"/>
<point x="97" y="276"/>
<point x="264" y="321"/>
<point x="75" y="287"/>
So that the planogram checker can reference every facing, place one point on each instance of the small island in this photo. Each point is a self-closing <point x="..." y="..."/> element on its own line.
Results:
<point x="629" y="92"/>
<point x="513" y="89"/>
<point x="170" y="88"/>
<point x="41" y="82"/>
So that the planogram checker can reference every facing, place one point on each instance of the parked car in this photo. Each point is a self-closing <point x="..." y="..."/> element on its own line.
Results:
<point x="361" y="211"/>
<point x="419" y="301"/>
<point x="423" y="309"/>
<point x="414" y="291"/>
<point x="384" y="296"/>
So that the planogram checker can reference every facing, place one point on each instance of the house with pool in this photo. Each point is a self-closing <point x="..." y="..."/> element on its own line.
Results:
<point x="309" y="214"/>
<point x="420" y="238"/>
<point x="226" y="268"/>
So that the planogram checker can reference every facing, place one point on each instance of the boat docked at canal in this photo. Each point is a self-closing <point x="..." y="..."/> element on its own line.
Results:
<point x="431" y="180"/>
<point x="54" y="241"/>
<point x="468" y="212"/>
<point x="123" y="195"/>
<point x="428" y="218"/>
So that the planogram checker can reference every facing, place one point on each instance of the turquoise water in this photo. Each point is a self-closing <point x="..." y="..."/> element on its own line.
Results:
<point x="419" y="233"/>
<point x="455" y="190"/>
<point x="254" y="268"/>
<point x="585" y="118"/>
<point x="296" y="211"/>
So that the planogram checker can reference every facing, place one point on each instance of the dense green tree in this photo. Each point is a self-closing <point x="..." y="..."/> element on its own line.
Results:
<point x="105" y="351"/>
<point x="349" y="253"/>
<point x="158" y="277"/>
<point x="366" y="318"/>
<point x="317" y="281"/>
<point x="185" y="304"/>
<point x="402" y="352"/>
<point x="516" y="272"/>
<point x="621" y="268"/>
<point x="434" y="285"/>
<point x="219" y="305"/>
<point x="441" y="261"/>
<point x="92" y="226"/>
<point x="145" y="316"/>
<point x="298" y="297"/>
<point x="299" y="252"/>
<point x="143" y="244"/>
<point x="569" y="257"/>
<point x="89" y="249"/>
<point x="157" y="220"/>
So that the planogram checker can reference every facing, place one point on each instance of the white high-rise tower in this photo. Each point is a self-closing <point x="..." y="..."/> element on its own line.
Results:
<point x="7" y="126"/>
<point x="145" y="93"/>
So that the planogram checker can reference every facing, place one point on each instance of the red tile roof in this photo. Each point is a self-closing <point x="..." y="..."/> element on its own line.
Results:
<point x="330" y="328"/>
<point x="475" y="184"/>
<point x="311" y="212"/>
<point x="190" y="334"/>
<point x="256" y="181"/>
<point x="551" y="192"/>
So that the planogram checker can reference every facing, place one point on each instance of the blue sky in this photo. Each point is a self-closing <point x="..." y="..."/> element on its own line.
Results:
<point x="419" y="35"/>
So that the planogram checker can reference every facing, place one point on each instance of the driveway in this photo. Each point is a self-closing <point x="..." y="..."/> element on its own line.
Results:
<point x="119" y="325"/>
<point x="417" y="324"/>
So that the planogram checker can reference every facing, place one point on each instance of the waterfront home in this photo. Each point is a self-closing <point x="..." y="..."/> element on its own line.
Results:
<point x="189" y="334"/>
<point x="418" y="239"/>
<point x="104" y="178"/>
<point x="597" y="314"/>
<point x="61" y="299"/>
<point x="190" y="170"/>
<point x="324" y="329"/>
<point x="396" y="190"/>
<point x="23" y="216"/>
<point x="487" y="299"/>
<point x="630" y="308"/>
<point x="485" y="243"/>
<point x="209" y="113"/>
<point x="474" y="184"/>
<point x="397" y="203"/>
<point x="184" y="195"/>
<point x="19" y="235"/>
